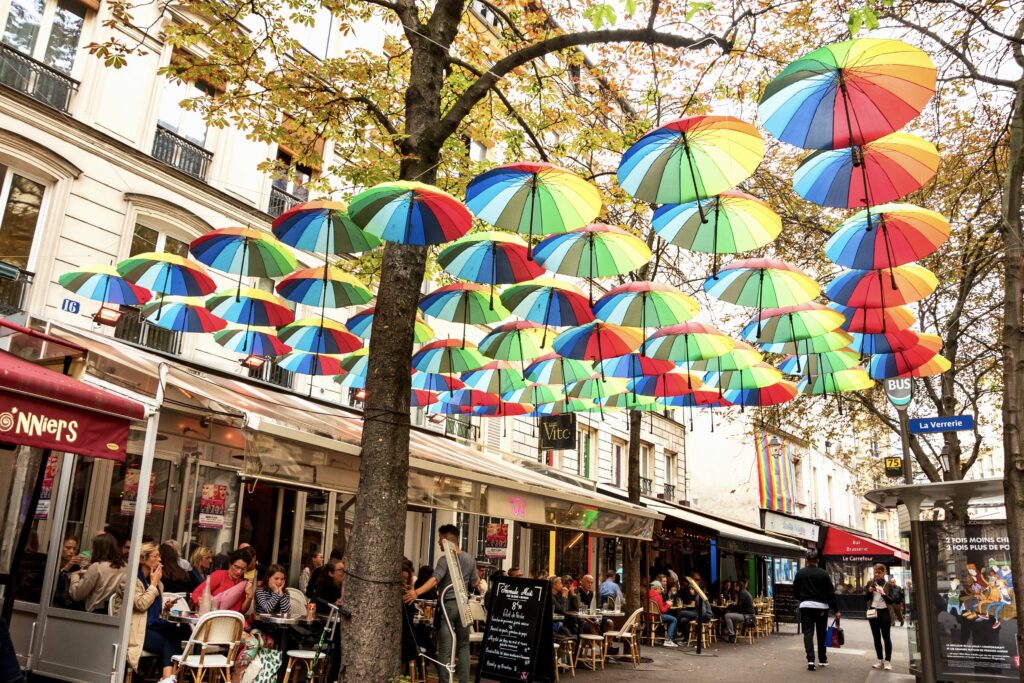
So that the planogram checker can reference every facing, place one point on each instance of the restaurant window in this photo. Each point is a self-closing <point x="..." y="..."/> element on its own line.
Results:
<point x="344" y="518"/>
<point x="18" y="470"/>
<point x="22" y="199"/>
<point x="211" y="510"/>
<point x="480" y="545"/>
<point x="46" y="30"/>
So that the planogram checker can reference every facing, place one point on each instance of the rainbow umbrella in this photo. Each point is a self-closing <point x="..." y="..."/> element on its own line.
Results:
<point x="888" y="342"/>
<point x="871" y="289"/>
<point x="165" y="273"/>
<point x="310" y="363"/>
<point x="695" y="399"/>
<point x="549" y="302"/>
<point x="467" y="399"/>
<point x="324" y="287"/>
<point x="427" y="381"/>
<point x="352" y="380"/>
<point x="182" y="314"/>
<point x="886" y="236"/>
<point x="854" y="379"/>
<point x="361" y="325"/>
<point x="563" y="408"/>
<point x="533" y="198"/>
<point x="661" y="386"/>
<point x="688" y="342"/>
<point x="738" y="222"/>
<point x="936" y="365"/>
<point x="755" y="377"/>
<point x="772" y="395"/>
<point x="410" y="213"/>
<point x="762" y="283"/>
<point x="645" y="304"/>
<point x="595" y="250"/>
<point x="503" y="409"/>
<point x="848" y="93"/>
<point x="489" y="258"/>
<point x="597" y="341"/>
<point x="790" y="323"/>
<point x="555" y="369"/>
<point x="821" y="363"/>
<point x="878" y="172"/>
<point x="691" y="159"/>
<point x="633" y="365"/>
<point x="904" y="361"/>
<point x="322" y="227"/>
<point x="515" y="340"/>
<point x="831" y="341"/>
<point x="448" y="357"/>
<point x="104" y="284"/>
<point x="243" y="252"/>
<point x="251" y="341"/>
<point x="319" y="336"/>
<point x="741" y="357"/>
<point x="463" y="302"/>
<point x="497" y="377"/>
<point x="875" y="320"/>
<point x="421" y="399"/>
<point x="248" y="306"/>
<point x="534" y="394"/>
<point x="630" y="401"/>
<point x="596" y="388"/>
<point x="356" y="363"/>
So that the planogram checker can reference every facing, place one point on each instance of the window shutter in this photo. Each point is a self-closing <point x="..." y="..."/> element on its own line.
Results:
<point x="492" y="433"/>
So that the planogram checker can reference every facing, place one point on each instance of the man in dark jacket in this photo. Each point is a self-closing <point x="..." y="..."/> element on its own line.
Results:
<point x="816" y="595"/>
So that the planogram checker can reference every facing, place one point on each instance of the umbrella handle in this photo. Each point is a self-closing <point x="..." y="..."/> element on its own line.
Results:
<point x="533" y="200"/>
<point x="714" y="240"/>
<point x="693" y="177"/>
<point x="238" y="290"/>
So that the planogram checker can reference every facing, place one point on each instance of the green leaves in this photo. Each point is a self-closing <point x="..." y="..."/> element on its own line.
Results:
<point x="863" y="16"/>
<point x="602" y="14"/>
<point x="696" y="7"/>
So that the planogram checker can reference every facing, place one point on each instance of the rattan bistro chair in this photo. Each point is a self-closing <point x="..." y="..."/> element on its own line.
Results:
<point x="629" y="634"/>
<point x="653" y="623"/>
<point x="214" y="633"/>
<point x="315" y="660"/>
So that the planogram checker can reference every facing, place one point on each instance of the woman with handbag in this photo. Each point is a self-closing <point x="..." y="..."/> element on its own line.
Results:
<point x="879" y="598"/>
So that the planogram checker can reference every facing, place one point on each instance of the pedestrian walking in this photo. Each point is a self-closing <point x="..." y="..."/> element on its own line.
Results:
<point x="896" y="607"/>
<point x="879" y="598"/>
<point x="816" y="595"/>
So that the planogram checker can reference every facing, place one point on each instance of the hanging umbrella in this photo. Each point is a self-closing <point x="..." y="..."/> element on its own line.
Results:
<point x="772" y="395"/>
<point x="661" y="386"/>
<point x="936" y="365"/>
<point x="831" y="341"/>
<point x="848" y="93"/>
<point x="534" y="394"/>
<point x="902" y="362"/>
<point x="595" y="250"/>
<point x="533" y="198"/>
<point x="645" y="304"/>
<point x="821" y="363"/>
<point x="762" y="283"/>
<point x="516" y="340"/>
<point x="886" y="236"/>
<point x="448" y="357"/>
<point x="248" y="306"/>
<point x="503" y="409"/>
<point x="630" y="401"/>
<point x="310" y="363"/>
<point x="352" y="380"/>
<point x="792" y="322"/>
<point x="688" y="342"/>
<point x="879" y="172"/>
<point x="356" y="363"/>
<point x="182" y="314"/>
<point x="323" y="227"/>
<point x="734" y="222"/>
<point x="597" y="341"/>
<point x="324" y="287"/>
<point x="421" y="399"/>
<point x="251" y="341"/>
<point x="595" y="388"/>
<point x="875" y="320"/>
<point x="361" y="325"/>
<point x="695" y="399"/>
<point x="555" y="369"/>
<point x="467" y="399"/>
<point x="104" y="284"/>
<point x="165" y="273"/>
<point x="755" y="377"/>
<point x="741" y="357"/>
<point x="497" y="377"/>
<point x="243" y="252"/>
<point x="872" y="289"/>
<point x="319" y="336"/>
<point x="462" y="302"/>
<point x="549" y="302"/>
<point x="691" y="159"/>
<point x="563" y="408"/>
<point x="633" y="365"/>
<point x="427" y="381"/>
<point x="410" y="213"/>
<point x="489" y="258"/>
<point x="888" y="342"/>
<point x="855" y="379"/>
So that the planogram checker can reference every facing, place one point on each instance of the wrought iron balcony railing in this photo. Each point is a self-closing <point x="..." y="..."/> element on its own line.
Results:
<point x="670" y="491"/>
<point x="646" y="486"/>
<point x="281" y="201"/>
<point x="35" y="79"/>
<point x="13" y="290"/>
<point x="182" y="154"/>
<point x="272" y="373"/>
<point x="134" y="329"/>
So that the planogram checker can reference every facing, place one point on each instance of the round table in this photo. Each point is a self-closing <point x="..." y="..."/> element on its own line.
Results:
<point x="189" y="619"/>
<point x="282" y="625"/>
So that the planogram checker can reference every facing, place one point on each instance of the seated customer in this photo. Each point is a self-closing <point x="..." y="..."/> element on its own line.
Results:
<point x="744" y="609"/>
<point x="655" y="595"/>
<point x="271" y="597"/>
<point x="228" y="587"/>
<point x="560" y="605"/>
<point x="94" y="585"/>
<point x="610" y="590"/>
<point x="177" y="579"/>
<point x="585" y="599"/>
<point x="328" y="586"/>
<point x="148" y="631"/>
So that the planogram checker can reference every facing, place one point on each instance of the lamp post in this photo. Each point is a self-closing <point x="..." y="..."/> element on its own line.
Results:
<point x="775" y="447"/>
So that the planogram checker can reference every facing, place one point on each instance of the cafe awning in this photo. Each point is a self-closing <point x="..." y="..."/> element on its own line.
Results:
<point x="844" y="546"/>
<point x="46" y="409"/>
<point x="732" y="536"/>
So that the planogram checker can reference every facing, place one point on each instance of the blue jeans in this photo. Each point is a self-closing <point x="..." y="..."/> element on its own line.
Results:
<point x="671" y="621"/>
<point x="444" y="643"/>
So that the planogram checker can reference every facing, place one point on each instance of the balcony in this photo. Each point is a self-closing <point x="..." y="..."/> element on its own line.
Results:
<point x="271" y="373"/>
<point x="35" y="79"/>
<point x="646" y="486"/>
<point x="14" y="284"/>
<point x="134" y="329"/>
<point x="670" y="492"/>
<point x="281" y="201"/>
<point x="182" y="154"/>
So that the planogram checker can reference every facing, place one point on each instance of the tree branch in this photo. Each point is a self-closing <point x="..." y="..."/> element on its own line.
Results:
<point x="960" y="56"/>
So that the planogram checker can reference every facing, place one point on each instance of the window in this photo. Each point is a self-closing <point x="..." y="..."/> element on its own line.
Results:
<point x="881" y="533"/>
<point x="183" y="122"/>
<point x="145" y="239"/>
<point x="671" y="462"/>
<point x="615" y="464"/>
<point x="586" y="445"/>
<point x="477" y="151"/>
<point x="132" y="327"/>
<point x="46" y="31"/>
<point x="295" y="184"/>
<point x="315" y="37"/>
<point x="646" y="469"/>
<point x="22" y="200"/>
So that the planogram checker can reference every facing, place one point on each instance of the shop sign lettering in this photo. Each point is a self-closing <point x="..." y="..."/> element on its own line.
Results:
<point x="25" y="423"/>
<point x="558" y="432"/>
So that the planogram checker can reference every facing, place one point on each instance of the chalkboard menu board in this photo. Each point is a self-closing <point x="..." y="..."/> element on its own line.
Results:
<point x="517" y="643"/>
<point x="787" y="609"/>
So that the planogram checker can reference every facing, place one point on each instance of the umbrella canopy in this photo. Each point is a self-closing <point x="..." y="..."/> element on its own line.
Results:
<point x="322" y="227"/>
<point x="104" y="284"/>
<point x="696" y="399"/>
<point x="878" y="289"/>
<point x="489" y="258"/>
<point x="734" y="222"/>
<point x="252" y="341"/>
<point x="821" y="363"/>
<point x="762" y="283"/>
<point x="421" y="399"/>
<point x="855" y="379"/>
<point x="595" y="388"/>
<point x="879" y="172"/>
<point x="645" y="304"/>
<point x="597" y="341"/>
<point x="310" y="363"/>
<point x="497" y="377"/>
<point x="427" y="381"/>
<point x="555" y="369"/>
<point x="741" y="357"/>
<point x="468" y="398"/>
<point x="792" y="322"/>
<point x="755" y="377"/>
<point x="831" y="341"/>
<point x="410" y="213"/>
<point x="248" y="306"/>
<point x="182" y="314"/>
<point x="361" y="325"/>
<point x="904" y="361"/>
<point x="691" y="159"/>
<point x="670" y="384"/>
<point x="533" y="198"/>
<point x="936" y="365"/>
<point x="688" y="342"/>
<point x="889" y="342"/>
<point x="595" y="250"/>
<point x="166" y="273"/>
<point x="516" y="340"/>
<point x="875" y="320"/>
<point x="772" y="395"/>
<point x="463" y="302"/>
<point x="243" y="251"/>
<point x="886" y="236"/>
<point x="848" y="93"/>
<point x="324" y="287"/>
<point x="448" y="357"/>
<point x="633" y="365"/>
<point x="631" y="401"/>
<point x="356" y="363"/>
<point x="536" y="394"/>
<point x="563" y="407"/>
<point x="503" y="409"/>
<point x="319" y="335"/>
<point x="548" y="302"/>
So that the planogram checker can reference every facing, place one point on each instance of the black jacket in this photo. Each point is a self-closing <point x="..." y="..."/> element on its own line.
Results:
<point x="745" y="603"/>
<point x="814" y="584"/>
<point x="886" y="593"/>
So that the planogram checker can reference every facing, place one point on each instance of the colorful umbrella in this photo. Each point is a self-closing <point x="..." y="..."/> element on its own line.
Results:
<point x="595" y="388"/>
<point x="243" y="251"/>
<point x="875" y="320"/>
<point x="762" y="283"/>
<point x="421" y="399"/>
<point x="165" y="273"/>
<point x="533" y="198"/>
<point x="516" y="340"/>
<point x="104" y="284"/>
<point x="691" y="159"/>
<point x="633" y="365"/>
<point x="772" y="395"/>
<point x="630" y="401"/>
<point x="563" y="408"/>
<point x="535" y="394"/>
<point x="880" y="171"/>
<point x="356" y="363"/>
<point x="597" y="341"/>
<point x="755" y="377"/>
<point x="791" y="323"/>
<point x="555" y="369"/>
<point x="848" y="93"/>
<point x="427" y="381"/>
<point x="688" y="342"/>
<point x="448" y="357"/>
<point x="832" y="341"/>
<point x="738" y="222"/>
<point x="497" y="377"/>
<point x="854" y="379"/>
<point x="871" y="289"/>
<point x="549" y="302"/>
<point x="410" y="213"/>
<point x="468" y="398"/>
<point x="251" y="341"/>
<point x="324" y="287"/>
<point x="462" y="302"/>
<point x="886" y="236"/>
<point x="903" y="362"/>
<point x="661" y="386"/>
<point x="182" y="314"/>
<point x="888" y="342"/>
<point x="323" y="227"/>
<point x="361" y="325"/>
<point x="741" y="357"/>
<point x="248" y="306"/>
<point x="821" y="363"/>
<point x="489" y="258"/>
<point x="319" y="336"/>
<point x="310" y="363"/>
<point x="595" y="250"/>
<point x="936" y="365"/>
<point x="695" y="399"/>
<point x="503" y="409"/>
<point x="645" y="304"/>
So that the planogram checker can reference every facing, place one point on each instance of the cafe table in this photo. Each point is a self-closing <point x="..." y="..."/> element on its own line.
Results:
<point x="283" y="625"/>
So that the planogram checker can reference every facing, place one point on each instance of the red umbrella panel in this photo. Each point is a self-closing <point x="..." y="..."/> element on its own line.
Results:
<point x="875" y="320"/>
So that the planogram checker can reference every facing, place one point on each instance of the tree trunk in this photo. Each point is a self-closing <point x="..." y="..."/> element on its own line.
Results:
<point x="634" y="589"/>
<point x="1013" y="346"/>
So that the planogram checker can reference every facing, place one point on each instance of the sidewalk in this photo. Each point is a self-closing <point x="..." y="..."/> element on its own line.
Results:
<point x="776" y="658"/>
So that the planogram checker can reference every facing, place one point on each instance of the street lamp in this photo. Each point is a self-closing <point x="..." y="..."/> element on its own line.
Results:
<point x="775" y="448"/>
<point x="944" y="458"/>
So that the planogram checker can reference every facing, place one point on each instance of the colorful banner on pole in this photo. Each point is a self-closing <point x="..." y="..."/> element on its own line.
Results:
<point x="775" y="474"/>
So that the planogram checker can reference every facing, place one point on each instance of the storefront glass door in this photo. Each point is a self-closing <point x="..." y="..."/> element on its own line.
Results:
<point x="211" y="510"/>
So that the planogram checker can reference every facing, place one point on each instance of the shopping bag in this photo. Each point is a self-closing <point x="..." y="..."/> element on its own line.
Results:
<point x="834" y="635"/>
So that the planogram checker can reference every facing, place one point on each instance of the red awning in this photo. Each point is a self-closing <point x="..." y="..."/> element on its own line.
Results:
<point x="848" y="547"/>
<point x="45" y="409"/>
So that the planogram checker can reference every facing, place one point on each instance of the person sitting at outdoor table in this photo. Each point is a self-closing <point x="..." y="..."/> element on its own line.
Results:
<point x="560" y="605"/>
<point x="314" y="575"/>
<point x="481" y="585"/>
<point x="271" y="597"/>
<point x="725" y="593"/>
<point x="202" y="563"/>
<point x="148" y="630"/>
<point x="610" y="590"/>
<point x="425" y="574"/>
<point x="583" y="600"/>
<point x="249" y="553"/>
<point x="176" y="578"/>
<point x="94" y="585"/>
<point x="655" y="595"/>
<point x="328" y="587"/>
<point x="315" y="560"/>
<point x="228" y="587"/>
<point x="744" y="608"/>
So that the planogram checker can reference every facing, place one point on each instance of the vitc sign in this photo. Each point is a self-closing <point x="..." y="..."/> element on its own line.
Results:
<point x="782" y="524"/>
<point x="558" y="432"/>
<point x="929" y="425"/>
<point x="29" y="421"/>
